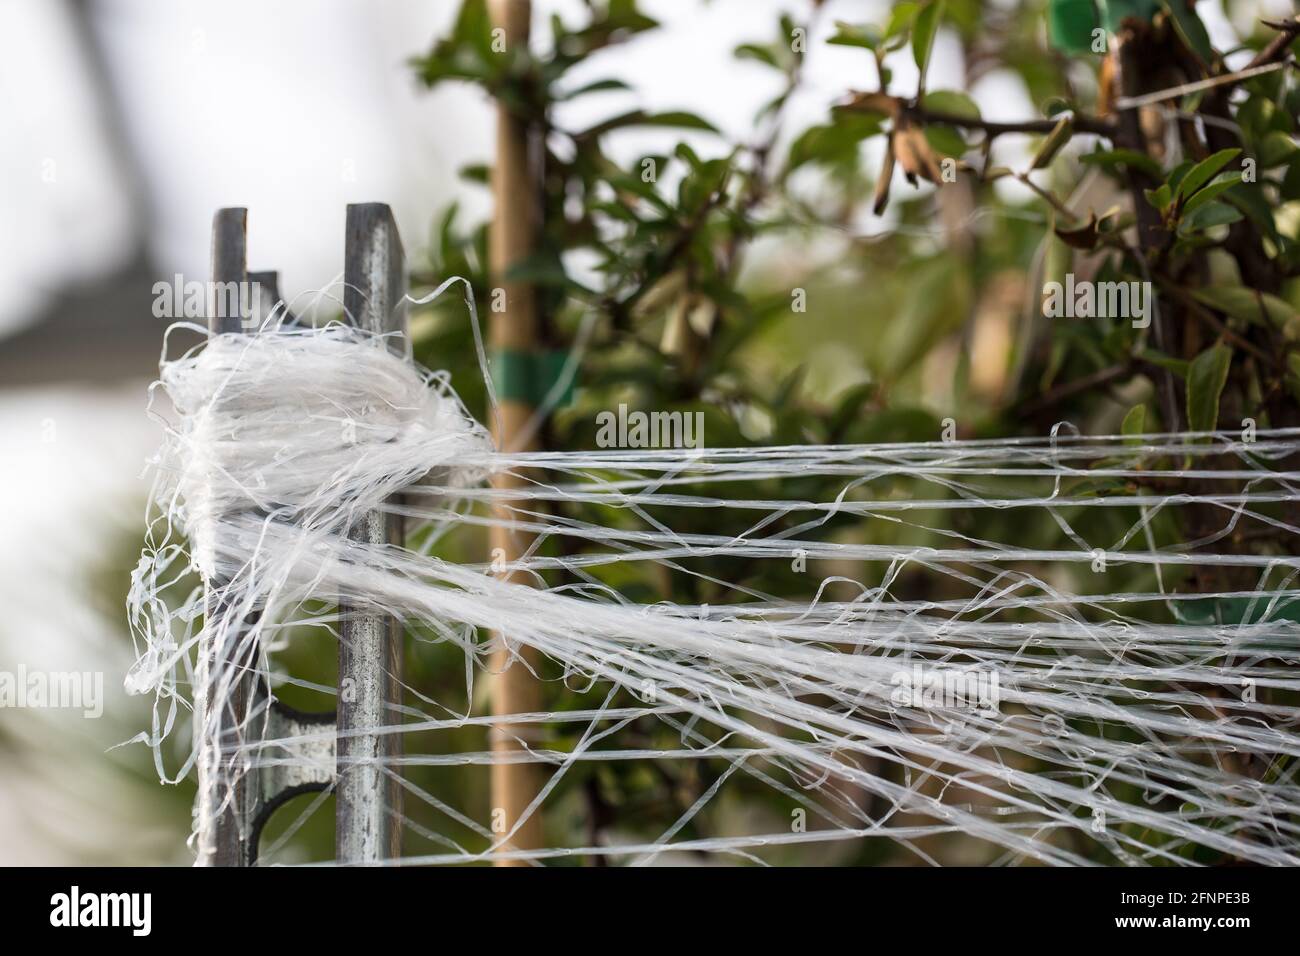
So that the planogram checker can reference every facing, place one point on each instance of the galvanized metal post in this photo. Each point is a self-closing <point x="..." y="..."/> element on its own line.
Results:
<point x="235" y="800"/>
<point x="368" y="795"/>
<point x="222" y="799"/>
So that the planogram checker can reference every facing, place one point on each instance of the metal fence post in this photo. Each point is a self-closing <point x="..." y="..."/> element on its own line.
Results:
<point x="368" y="794"/>
<point x="234" y="803"/>
<point x="222" y="799"/>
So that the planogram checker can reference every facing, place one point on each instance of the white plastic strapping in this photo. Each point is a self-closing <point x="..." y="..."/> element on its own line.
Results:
<point x="1133" y="724"/>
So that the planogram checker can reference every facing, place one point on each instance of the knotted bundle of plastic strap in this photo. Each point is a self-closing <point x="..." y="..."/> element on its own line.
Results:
<point x="1065" y="649"/>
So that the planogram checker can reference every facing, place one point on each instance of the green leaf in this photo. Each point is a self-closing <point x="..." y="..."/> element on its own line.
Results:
<point x="943" y="137"/>
<point x="1275" y="149"/>
<point x="680" y="119"/>
<point x="854" y="34"/>
<point x="786" y="391"/>
<point x="447" y="233"/>
<point x="1290" y="187"/>
<point x="691" y="158"/>
<point x="1166" y="362"/>
<point x="951" y="102"/>
<point x="473" y="26"/>
<point x="1135" y="422"/>
<point x="1259" y="207"/>
<point x="475" y="173"/>
<point x="1123" y="157"/>
<point x="924" y="28"/>
<point x="892" y="425"/>
<point x="1052" y="143"/>
<point x="631" y="182"/>
<point x="900" y="18"/>
<point x="1248" y="305"/>
<point x="466" y="52"/>
<point x="1209" y="215"/>
<point x="1206" y="377"/>
<point x="1293" y="374"/>
<point x="1191" y="29"/>
<point x="1260" y="115"/>
<point x="1177" y="173"/>
<point x="599" y="86"/>
<point x="750" y="322"/>
<point x="755" y="51"/>
<point x="1205" y="170"/>
<point x="835" y="143"/>
<point x="1159" y="198"/>
<point x="1288" y="256"/>
<point x="1211" y="192"/>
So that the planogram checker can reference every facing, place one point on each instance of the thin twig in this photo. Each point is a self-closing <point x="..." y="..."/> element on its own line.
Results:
<point x="1069" y="389"/>
<point x="1207" y="316"/>
<point x="1174" y="92"/>
<point x="1055" y="203"/>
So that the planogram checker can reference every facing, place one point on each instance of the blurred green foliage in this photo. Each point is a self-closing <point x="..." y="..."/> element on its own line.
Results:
<point x="786" y="288"/>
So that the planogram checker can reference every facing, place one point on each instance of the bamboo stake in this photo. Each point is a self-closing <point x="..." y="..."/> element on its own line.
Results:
<point x="514" y="226"/>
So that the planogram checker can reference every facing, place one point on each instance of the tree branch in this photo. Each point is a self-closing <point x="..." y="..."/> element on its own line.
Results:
<point x="1279" y="45"/>
<point x="1069" y="389"/>
<point x="1083" y="123"/>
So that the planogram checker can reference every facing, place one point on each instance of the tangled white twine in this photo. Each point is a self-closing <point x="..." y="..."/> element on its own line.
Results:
<point x="1089" y="722"/>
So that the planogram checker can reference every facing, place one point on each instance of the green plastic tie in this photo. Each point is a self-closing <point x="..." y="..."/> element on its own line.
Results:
<point x="528" y="377"/>
<point x="1070" y="23"/>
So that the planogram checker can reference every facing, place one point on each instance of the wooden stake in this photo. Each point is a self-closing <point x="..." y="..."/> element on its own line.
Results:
<point x="515" y="220"/>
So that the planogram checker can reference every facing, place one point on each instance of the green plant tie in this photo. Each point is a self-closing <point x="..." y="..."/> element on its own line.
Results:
<point x="519" y="375"/>
<point x="1070" y="23"/>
